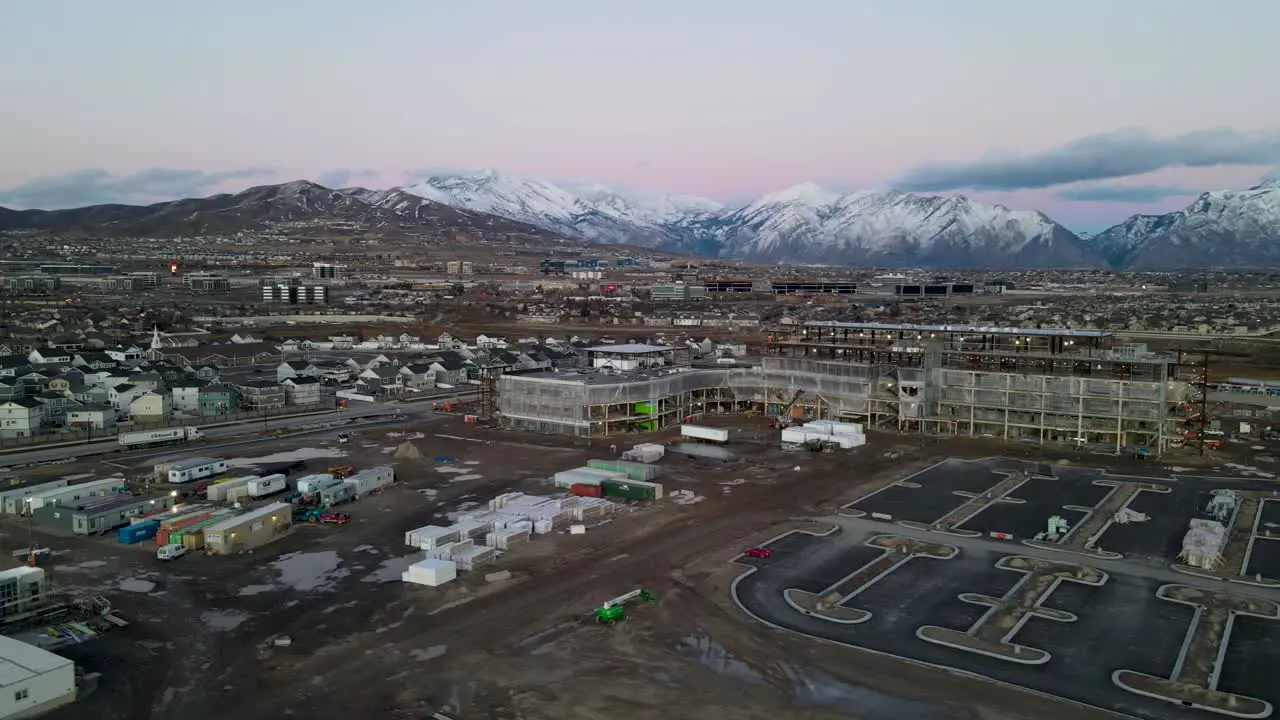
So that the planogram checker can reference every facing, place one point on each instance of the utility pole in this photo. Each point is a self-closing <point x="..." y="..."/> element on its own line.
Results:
<point x="1203" y="384"/>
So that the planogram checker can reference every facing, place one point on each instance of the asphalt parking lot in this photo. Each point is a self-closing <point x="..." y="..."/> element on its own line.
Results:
<point x="1264" y="560"/>
<point x="1121" y="625"/>
<point x="934" y="497"/>
<point x="1041" y="498"/>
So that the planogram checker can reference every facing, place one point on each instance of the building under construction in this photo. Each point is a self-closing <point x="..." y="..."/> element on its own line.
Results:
<point x="1075" y="387"/>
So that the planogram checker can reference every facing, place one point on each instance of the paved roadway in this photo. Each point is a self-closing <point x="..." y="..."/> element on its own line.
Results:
<point x="416" y="410"/>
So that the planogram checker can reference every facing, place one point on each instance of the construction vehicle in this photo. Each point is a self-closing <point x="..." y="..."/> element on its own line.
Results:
<point x="612" y="611"/>
<point x="342" y="472"/>
<point x="783" y="418"/>
<point x="306" y="514"/>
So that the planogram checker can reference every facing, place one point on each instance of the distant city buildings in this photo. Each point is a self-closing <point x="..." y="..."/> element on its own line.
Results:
<point x="296" y="294"/>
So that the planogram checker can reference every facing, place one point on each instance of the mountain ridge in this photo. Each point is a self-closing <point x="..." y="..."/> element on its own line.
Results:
<point x="803" y="223"/>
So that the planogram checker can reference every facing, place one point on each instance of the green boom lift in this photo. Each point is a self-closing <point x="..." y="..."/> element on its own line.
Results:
<point x="611" y="611"/>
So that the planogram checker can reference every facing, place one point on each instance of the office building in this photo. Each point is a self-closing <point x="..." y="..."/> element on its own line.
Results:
<point x="206" y="282"/>
<point x="327" y="271"/>
<point x="295" y="294"/>
<point x="145" y="280"/>
<point x="30" y="283"/>
<point x="677" y="292"/>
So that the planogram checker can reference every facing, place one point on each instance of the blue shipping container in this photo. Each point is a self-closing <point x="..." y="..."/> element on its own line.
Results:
<point x="136" y="533"/>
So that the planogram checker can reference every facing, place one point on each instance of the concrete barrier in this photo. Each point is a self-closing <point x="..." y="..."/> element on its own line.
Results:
<point x="881" y="516"/>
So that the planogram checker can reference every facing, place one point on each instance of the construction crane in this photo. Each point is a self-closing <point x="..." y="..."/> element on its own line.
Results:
<point x="783" y="419"/>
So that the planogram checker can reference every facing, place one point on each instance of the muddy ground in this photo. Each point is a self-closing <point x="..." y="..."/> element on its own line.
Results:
<point x="364" y="644"/>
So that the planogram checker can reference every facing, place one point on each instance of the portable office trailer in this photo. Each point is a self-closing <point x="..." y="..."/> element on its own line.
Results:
<point x="315" y="483"/>
<point x="248" y="531"/>
<point x="268" y="485"/>
<point x="371" y="479"/>
<point x="115" y="512"/>
<point x="699" y="432"/>
<point x="337" y="495"/>
<point x="72" y="495"/>
<point x="22" y="589"/>
<point x="12" y="500"/>
<point x="195" y="469"/>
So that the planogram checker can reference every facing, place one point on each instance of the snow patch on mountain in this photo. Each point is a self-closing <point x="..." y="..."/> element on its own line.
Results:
<point x="1220" y="229"/>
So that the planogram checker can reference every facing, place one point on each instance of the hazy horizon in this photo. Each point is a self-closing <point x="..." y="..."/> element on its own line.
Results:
<point x="1089" y="112"/>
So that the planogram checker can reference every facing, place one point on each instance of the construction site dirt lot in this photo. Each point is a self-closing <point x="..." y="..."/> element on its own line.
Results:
<point x="364" y="644"/>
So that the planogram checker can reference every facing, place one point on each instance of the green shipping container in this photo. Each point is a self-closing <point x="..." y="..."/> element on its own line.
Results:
<point x="633" y="470"/>
<point x="645" y="408"/>
<point x="626" y="491"/>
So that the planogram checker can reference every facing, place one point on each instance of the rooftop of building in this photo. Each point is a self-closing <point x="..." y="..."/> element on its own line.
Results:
<point x="20" y="662"/>
<point x="119" y="502"/>
<point x="609" y="377"/>
<point x="976" y="330"/>
<point x="630" y="349"/>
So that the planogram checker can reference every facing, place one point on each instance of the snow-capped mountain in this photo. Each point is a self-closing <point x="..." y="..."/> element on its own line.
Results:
<point x="1221" y="229"/>
<point x="805" y="223"/>
<point x="594" y="212"/>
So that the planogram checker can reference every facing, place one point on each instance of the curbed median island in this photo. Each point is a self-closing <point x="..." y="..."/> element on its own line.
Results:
<point x="829" y="604"/>
<point x="993" y="633"/>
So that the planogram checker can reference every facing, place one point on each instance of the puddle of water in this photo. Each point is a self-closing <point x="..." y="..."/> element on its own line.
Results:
<point x="310" y="571"/>
<point x="700" y="450"/>
<point x="391" y="569"/>
<point x="134" y="585"/>
<point x="815" y="688"/>
<point x="224" y="620"/>
<point x="421" y="654"/>
<point x="713" y="655"/>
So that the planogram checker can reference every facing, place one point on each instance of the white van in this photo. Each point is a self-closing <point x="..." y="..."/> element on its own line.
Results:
<point x="171" y="552"/>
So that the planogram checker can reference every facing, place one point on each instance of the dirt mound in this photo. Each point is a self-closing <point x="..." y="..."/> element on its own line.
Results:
<point x="407" y="451"/>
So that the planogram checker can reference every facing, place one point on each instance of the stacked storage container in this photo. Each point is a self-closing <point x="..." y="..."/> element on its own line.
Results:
<point x="431" y="537"/>
<point x="631" y="490"/>
<point x="430" y="572"/>
<point x="474" y="556"/>
<point x="842" y="434"/>
<point x="315" y="483"/>
<point x="586" y="490"/>
<point x="634" y="470"/>
<point x="137" y="532"/>
<point x="371" y="479"/>
<point x="164" y="535"/>
<point x="645" y="453"/>
<point x="192" y="536"/>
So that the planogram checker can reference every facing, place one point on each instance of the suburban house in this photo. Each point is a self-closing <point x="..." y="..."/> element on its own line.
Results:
<point x="302" y="390"/>
<point x="418" y="376"/>
<point x="49" y="355"/>
<point x="96" y="417"/>
<point x="260" y="395"/>
<point x="150" y="407"/>
<point x="215" y="400"/>
<point x="380" y="381"/>
<point x="55" y="407"/>
<point x="185" y="395"/>
<point x="449" y="369"/>
<point x="92" y="395"/>
<point x="94" y="360"/>
<point x="296" y="368"/>
<point x="21" y="417"/>
<point x="121" y="396"/>
<point x="132" y="353"/>
<point x="149" y="381"/>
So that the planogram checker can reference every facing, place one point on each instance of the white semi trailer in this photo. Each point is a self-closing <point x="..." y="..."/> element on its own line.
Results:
<point x="144" y="438"/>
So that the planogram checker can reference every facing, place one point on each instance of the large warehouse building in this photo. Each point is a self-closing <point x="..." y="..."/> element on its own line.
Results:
<point x="33" y="681"/>
<point x="1037" y="385"/>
